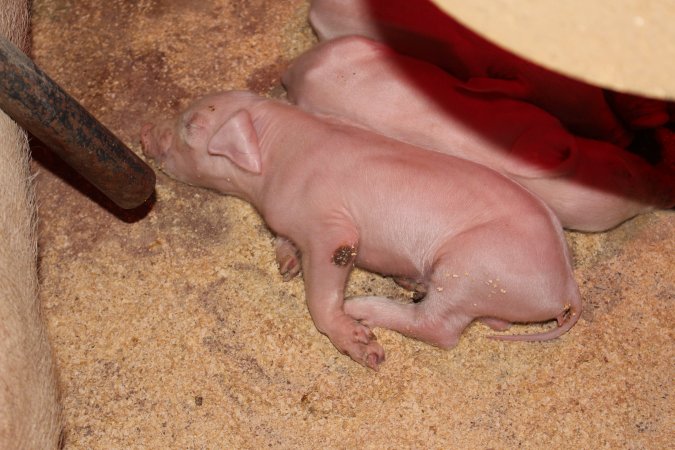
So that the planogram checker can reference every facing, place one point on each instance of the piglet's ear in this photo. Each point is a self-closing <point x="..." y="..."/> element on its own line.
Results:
<point x="236" y="139"/>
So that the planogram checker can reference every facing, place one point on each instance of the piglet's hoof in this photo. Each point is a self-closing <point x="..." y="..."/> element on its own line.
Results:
<point x="358" y="341"/>
<point x="288" y="258"/>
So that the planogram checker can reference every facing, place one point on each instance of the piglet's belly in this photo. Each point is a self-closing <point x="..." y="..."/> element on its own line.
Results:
<point x="389" y="263"/>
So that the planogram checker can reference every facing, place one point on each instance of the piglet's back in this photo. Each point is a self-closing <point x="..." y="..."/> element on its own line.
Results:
<point x="418" y="182"/>
<point x="394" y="192"/>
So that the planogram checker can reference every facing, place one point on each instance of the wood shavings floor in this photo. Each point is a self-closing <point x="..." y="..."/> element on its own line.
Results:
<point x="173" y="329"/>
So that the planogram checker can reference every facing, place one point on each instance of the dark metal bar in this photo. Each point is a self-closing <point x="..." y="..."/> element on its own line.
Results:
<point x="40" y="106"/>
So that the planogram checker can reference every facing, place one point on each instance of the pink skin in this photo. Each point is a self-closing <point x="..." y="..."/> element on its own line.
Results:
<point x="340" y="196"/>
<point x="590" y="185"/>
<point x="418" y="28"/>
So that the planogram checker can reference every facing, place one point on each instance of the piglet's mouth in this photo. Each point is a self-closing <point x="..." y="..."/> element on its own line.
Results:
<point x="156" y="140"/>
<point x="148" y="143"/>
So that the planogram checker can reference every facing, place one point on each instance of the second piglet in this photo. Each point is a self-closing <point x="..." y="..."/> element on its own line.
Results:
<point x="339" y="196"/>
<point x="590" y="185"/>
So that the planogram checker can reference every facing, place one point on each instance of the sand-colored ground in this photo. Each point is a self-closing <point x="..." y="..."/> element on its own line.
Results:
<point x="173" y="329"/>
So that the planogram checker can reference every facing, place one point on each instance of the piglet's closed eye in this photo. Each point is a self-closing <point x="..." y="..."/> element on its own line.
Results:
<point x="236" y="139"/>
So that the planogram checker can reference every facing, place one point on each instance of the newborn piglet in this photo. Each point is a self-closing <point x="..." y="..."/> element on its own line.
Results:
<point x="339" y="196"/>
<point x="590" y="185"/>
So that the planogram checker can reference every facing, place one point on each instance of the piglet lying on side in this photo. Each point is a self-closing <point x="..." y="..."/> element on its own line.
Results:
<point x="590" y="185"/>
<point x="482" y="246"/>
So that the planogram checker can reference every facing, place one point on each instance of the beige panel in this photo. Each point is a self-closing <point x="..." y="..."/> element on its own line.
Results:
<point x="628" y="45"/>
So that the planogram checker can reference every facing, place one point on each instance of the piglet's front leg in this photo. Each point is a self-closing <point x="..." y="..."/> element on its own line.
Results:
<point x="326" y="267"/>
<point x="288" y="258"/>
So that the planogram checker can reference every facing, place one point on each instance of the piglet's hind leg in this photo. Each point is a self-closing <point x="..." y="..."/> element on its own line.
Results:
<point x="427" y="321"/>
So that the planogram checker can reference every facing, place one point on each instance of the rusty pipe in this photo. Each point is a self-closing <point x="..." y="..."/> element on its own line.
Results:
<point x="39" y="105"/>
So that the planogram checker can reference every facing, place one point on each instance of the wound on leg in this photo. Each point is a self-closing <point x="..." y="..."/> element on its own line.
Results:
<point x="344" y="255"/>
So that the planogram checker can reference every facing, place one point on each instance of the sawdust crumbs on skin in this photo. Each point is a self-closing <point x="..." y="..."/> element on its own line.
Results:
<point x="176" y="330"/>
